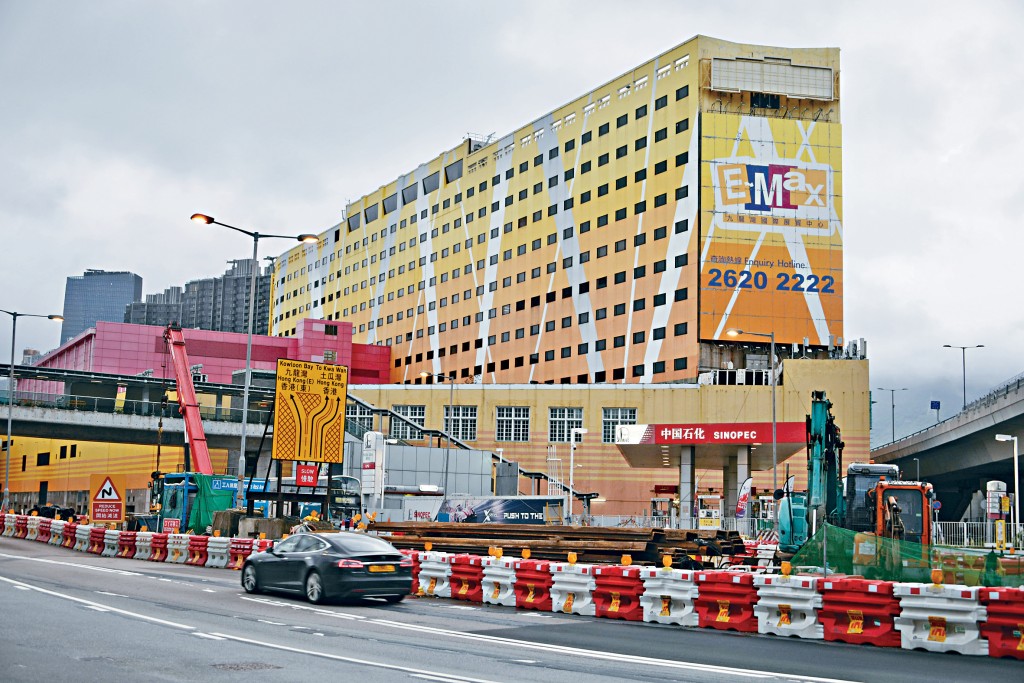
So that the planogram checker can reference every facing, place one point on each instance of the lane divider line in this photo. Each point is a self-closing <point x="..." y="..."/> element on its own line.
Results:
<point x="98" y="606"/>
<point x="436" y="675"/>
<point x="121" y="572"/>
<point x="616" y="657"/>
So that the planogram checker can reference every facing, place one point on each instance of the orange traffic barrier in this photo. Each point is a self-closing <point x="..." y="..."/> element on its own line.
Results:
<point x="197" y="551"/>
<point x="126" y="545"/>
<point x="158" y="548"/>
<point x="856" y="610"/>
<point x="467" y="578"/>
<point x="414" y="555"/>
<point x="533" y="585"/>
<point x="238" y="551"/>
<point x="726" y="600"/>
<point x="68" y="535"/>
<point x="1004" y="626"/>
<point x="96" y="540"/>
<point x="618" y="592"/>
<point x="44" y="530"/>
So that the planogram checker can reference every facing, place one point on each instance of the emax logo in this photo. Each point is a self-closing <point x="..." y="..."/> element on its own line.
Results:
<point x="775" y="186"/>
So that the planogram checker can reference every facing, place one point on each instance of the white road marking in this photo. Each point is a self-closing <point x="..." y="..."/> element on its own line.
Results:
<point x="471" y="609"/>
<point x="272" y="623"/>
<point x="115" y="595"/>
<point x="207" y="590"/>
<point x="612" y="656"/>
<point x="122" y="572"/>
<point x="435" y="675"/>
<point x="23" y="588"/>
<point x="444" y="679"/>
<point x="318" y="610"/>
<point x="94" y="605"/>
<point x="208" y="636"/>
<point x="97" y="608"/>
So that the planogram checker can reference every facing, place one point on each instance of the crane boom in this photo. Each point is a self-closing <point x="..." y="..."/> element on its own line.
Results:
<point x="188" y="406"/>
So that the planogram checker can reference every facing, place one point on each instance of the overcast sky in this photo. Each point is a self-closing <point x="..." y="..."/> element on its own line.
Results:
<point x="121" y="119"/>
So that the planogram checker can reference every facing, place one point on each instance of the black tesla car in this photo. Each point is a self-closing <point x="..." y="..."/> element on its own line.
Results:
<point x="343" y="565"/>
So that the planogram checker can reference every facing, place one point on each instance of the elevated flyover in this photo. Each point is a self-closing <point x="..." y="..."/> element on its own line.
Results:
<point x="960" y="454"/>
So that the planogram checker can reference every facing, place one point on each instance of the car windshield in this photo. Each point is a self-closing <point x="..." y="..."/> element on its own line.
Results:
<point x="360" y="543"/>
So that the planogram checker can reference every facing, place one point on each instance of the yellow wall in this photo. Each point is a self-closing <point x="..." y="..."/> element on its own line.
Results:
<point x="604" y="470"/>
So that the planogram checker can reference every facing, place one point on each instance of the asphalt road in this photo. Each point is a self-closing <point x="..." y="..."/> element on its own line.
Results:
<point x="71" y="616"/>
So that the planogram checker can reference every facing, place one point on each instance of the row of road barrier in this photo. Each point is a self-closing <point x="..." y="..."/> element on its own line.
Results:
<point x="970" y="620"/>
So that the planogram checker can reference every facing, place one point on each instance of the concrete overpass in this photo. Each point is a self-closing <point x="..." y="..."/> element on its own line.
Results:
<point x="960" y="454"/>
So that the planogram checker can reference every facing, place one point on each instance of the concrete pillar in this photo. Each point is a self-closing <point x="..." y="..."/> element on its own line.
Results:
<point x="733" y="476"/>
<point x="729" y="487"/>
<point x="687" y="483"/>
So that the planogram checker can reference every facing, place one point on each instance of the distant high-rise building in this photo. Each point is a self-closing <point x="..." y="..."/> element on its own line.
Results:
<point x="97" y="295"/>
<point x="222" y="303"/>
<point x="158" y="309"/>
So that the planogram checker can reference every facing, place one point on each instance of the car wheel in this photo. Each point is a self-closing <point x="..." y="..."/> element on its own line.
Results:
<point x="392" y="599"/>
<point x="314" y="587"/>
<point x="249" y="581"/>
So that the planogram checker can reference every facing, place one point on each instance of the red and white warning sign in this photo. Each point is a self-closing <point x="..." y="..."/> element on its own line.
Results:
<point x="107" y="500"/>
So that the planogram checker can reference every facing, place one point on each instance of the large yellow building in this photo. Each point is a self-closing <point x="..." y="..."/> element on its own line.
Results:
<point x="616" y="247"/>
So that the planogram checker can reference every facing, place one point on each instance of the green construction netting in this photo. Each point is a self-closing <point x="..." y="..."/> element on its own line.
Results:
<point x="873" y="557"/>
<point x="207" y="501"/>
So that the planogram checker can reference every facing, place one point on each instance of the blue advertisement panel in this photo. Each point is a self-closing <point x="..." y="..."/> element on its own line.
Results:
<point x="500" y="510"/>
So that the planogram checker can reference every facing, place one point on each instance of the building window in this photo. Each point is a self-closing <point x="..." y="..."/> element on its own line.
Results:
<point x="561" y="422"/>
<point x="683" y="92"/>
<point x="401" y="429"/>
<point x="461" y="423"/>
<point x="513" y="423"/>
<point x="661" y="102"/>
<point x="360" y="415"/>
<point x="612" y="418"/>
<point x="679" y="364"/>
<point x="679" y="329"/>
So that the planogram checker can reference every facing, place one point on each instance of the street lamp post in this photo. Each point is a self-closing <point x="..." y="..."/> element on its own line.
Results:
<point x="572" y="465"/>
<point x="892" y="404"/>
<point x="1016" y="483"/>
<point x="917" y="461"/>
<point x="10" y="398"/>
<point x="775" y="442"/>
<point x="451" y="416"/>
<point x="306" y="238"/>
<point x="963" y="352"/>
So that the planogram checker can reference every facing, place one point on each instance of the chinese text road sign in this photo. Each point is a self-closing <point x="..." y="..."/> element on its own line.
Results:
<point x="106" y="500"/>
<point x="309" y="411"/>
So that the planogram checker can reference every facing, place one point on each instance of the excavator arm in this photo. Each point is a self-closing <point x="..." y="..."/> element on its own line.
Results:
<point x="188" y="405"/>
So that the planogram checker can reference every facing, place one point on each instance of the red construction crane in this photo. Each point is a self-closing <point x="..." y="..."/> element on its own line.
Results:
<point x="188" y="406"/>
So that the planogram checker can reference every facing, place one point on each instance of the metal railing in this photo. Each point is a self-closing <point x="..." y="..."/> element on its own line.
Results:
<point x="975" y="534"/>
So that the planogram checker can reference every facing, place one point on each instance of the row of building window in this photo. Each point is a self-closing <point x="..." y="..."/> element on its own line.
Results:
<point x="512" y="423"/>
<point x="567" y="263"/>
<point x="453" y="172"/>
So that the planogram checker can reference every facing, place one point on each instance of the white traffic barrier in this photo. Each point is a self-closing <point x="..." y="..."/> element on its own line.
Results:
<point x="940" y="618"/>
<point x="9" y="522"/>
<point x="788" y="606"/>
<point x="177" y="548"/>
<point x="668" y="596"/>
<point x="499" y="581"/>
<point x="435" y="574"/>
<point x="57" y="531"/>
<point x="110" y="539"/>
<point x="33" y="527"/>
<point x="143" y="545"/>
<point x="217" y="551"/>
<point x="572" y="588"/>
<point x="82" y="532"/>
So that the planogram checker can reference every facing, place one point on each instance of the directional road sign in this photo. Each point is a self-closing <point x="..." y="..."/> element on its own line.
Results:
<point x="309" y="411"/>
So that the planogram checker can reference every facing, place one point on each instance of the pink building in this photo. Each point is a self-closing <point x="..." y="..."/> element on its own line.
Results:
<point x="124" y="349"/>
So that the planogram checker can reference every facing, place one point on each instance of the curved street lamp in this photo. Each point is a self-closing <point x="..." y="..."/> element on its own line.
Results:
<point x="963" y="353"/>
<point x="305" y="238"/>
<point x="733" y="332"/>
<point x="451" y="416"/>
<point x="10" y="398"/>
